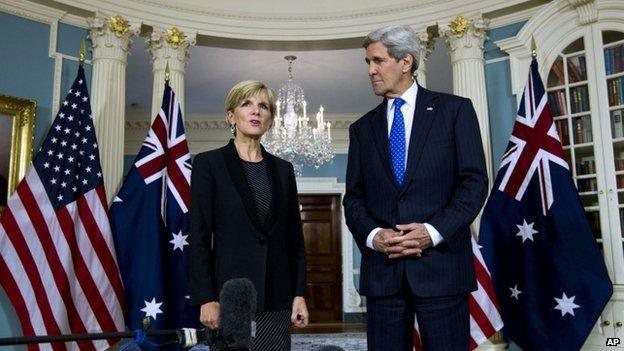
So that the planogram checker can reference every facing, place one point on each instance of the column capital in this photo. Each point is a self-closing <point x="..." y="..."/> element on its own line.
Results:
<point x="427" y="43"/>
<point x="465" y="37"/>
<point x="111" y="36"/>
<point x="170" y="45"/>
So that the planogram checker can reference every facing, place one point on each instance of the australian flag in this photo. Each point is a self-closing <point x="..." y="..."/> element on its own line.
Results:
<point x="548" y="273"/>
<point x="150" y="222"/>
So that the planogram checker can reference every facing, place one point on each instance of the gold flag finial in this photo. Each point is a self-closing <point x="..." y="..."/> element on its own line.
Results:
<point x="167" y="73"/>
<point x="533" y="47"/>
<point x="83" y="52"/>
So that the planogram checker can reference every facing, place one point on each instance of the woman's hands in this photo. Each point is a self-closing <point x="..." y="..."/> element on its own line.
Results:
<point x="299" y="316"/>
<point x="209" y="314"/>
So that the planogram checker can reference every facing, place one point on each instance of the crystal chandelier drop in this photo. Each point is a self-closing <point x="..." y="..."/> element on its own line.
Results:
<point x="292" y="137"/>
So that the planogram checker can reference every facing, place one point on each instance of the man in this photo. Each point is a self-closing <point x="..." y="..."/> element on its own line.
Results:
<point x="416" y="179"/>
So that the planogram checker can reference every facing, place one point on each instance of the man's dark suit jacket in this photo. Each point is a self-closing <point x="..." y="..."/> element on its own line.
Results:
<point x="223" y="213"/>
<point x="445" y="185"/>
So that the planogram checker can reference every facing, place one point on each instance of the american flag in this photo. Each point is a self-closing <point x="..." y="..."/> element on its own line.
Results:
<point x="485" y="320"/>
<point x="57" y="259"/>
<point x="549" y="276"/>
<point x="150" y="220"/>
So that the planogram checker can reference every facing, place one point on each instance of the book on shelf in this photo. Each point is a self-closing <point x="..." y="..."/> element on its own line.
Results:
<point x="576" y="69"/>
<point x="585" y="185"/>
<point x="615" y="91"/>
<point x="620" y="181"/>
<point x="580" y="99"/>
<point x="557" y="70"/>
<point x="587" y="129"/>
<point x="614" y="59"/>
<point x="578" y="131"/>
<point x="617" y="127"/>
<point x="562" y="130"/>
<point x="554" y="106"/>
<point x="562" y="102"/>
<point x="620" y="83"/>
<point x="608" y="61"/>
<point x="582" y="130"/>
<point x="619" y="164"/>
<point x="617" y="59"/>
<point x="584" y="98"/>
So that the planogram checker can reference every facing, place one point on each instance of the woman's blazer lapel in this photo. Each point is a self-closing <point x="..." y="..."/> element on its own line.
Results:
<point x="237" y="174"/>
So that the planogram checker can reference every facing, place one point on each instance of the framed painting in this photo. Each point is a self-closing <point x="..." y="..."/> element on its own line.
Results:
<point x="17" y="123"/>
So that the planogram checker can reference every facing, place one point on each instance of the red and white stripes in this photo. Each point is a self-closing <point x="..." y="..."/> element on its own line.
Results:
<point x="58" y="267"/>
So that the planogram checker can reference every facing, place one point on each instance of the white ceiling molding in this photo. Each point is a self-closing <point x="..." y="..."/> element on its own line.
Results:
<point x="282" y="20"/>
<point x="41" y="13"/>
<point x="31" y="10"/>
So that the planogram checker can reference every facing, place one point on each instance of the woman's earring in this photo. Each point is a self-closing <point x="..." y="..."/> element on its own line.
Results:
<point x="233" y="128"/>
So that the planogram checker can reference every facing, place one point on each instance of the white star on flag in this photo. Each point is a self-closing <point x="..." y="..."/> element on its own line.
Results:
<point x="566" y="305"/>
<point x="526" y="230"/>
<point x="179" y="241"/>
<point x="152" y="308"/>
<point x="515" y="292"/>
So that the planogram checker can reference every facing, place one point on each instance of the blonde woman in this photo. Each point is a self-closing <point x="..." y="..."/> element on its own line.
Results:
<point x="245" y="222"/>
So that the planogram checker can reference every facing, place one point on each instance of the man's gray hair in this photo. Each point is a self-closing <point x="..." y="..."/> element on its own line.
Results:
<point x="400" y="41"/>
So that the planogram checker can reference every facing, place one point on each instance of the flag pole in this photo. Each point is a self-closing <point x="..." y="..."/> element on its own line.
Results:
<point x="83" y="52"/>
<point x="167" y="73"/>
<point x="533" y="47"/>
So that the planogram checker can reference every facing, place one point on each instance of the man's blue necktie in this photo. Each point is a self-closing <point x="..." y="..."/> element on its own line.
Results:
<point x="397" y="141"/>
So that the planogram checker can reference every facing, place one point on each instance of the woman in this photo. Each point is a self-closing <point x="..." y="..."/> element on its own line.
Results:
<point x="245" y="222"/>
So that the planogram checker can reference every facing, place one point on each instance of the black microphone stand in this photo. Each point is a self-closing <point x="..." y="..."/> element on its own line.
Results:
<point x="40" y="339"/>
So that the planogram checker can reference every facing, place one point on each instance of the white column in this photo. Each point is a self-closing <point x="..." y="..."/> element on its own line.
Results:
<point x="427" y="43"/>
<point x="169" y="46"/>
<point x="111" y="42"/>
<point x="465" y="40"/>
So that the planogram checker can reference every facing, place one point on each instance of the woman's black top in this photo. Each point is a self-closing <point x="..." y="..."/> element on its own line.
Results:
<point x="258" y="180"/>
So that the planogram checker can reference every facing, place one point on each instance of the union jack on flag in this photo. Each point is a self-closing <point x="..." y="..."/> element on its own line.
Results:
<point x="150" y="220"/>
<point x="548" y="274"/>
<point x="535" y="144"/>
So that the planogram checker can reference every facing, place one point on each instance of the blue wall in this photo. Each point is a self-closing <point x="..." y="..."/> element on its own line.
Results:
<point x="502" y="107"/>
<point x="27" y="71"/>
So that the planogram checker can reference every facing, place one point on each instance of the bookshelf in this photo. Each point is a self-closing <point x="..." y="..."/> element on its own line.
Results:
<point x="581" y="55"/>
<point x="569" y="99"/>
<point x="586" y="96"/>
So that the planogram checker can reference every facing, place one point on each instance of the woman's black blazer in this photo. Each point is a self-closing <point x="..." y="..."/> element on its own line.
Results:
<point x="227" y="240"/>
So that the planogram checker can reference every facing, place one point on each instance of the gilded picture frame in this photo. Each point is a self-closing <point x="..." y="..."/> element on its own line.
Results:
<point x="17" y="123"/>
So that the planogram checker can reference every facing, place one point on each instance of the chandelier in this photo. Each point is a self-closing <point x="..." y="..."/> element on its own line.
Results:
<point x="292" y="137"/>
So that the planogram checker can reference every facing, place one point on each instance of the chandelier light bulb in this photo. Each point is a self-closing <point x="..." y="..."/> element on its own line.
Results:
<point x="295" y="140"/>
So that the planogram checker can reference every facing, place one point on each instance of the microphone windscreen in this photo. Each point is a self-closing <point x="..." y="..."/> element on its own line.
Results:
<point x="238" y="306"/>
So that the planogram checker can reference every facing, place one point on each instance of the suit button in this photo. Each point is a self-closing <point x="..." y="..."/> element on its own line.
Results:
<point x="262" y="242"/>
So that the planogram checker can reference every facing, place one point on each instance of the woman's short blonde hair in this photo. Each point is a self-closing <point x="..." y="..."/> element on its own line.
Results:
<point x="246" y="89"/>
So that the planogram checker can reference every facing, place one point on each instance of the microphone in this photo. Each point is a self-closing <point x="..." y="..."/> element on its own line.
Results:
<point x="329" y="348"/>
<point x="238" y="307"/>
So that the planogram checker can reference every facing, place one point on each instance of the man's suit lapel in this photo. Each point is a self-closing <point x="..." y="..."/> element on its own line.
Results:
<point x="424" y="115"/>
<point x="379" y="130"/>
